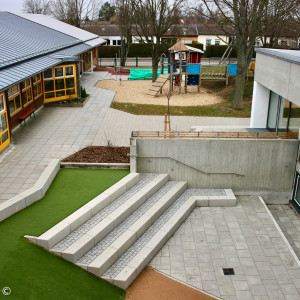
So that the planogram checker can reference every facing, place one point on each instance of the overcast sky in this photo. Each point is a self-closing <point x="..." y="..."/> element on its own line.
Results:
<point x="11" y="5"/>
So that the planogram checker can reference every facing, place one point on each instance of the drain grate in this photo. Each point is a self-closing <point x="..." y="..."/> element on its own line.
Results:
<point x="228" y="271"/>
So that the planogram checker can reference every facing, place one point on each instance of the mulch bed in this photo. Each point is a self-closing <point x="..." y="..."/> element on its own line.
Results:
<point x="100" y="154"/>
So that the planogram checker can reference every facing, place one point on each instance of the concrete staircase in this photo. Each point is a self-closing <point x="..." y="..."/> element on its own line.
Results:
<point x="115" y="235"/>
<point x="158" y="84"/>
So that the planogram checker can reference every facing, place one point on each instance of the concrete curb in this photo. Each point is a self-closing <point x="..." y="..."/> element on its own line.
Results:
<point x="33" y="194"/>
<point x="69" y="165"/>
<point x="280" y="232"/>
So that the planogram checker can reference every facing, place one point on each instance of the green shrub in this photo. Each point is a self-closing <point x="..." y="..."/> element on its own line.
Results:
<point x="197" y="45"/>
<point x="84" y="94"/>
<point x="108" y="51"/>
<point x="218" y="51"/>
<point x="140" y="50"/>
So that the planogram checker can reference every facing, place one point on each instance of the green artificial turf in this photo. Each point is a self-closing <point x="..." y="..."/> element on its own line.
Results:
<point x="32" y="272"/>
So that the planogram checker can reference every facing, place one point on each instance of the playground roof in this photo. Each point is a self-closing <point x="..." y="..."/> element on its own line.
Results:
<point x="192" y="49"/>
<point x="179" y="46"/>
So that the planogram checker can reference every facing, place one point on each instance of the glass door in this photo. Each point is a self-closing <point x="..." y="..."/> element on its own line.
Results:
<point x="4" y="130"/>
<point x="273" y="113"/>
<point x="296" y="193"/>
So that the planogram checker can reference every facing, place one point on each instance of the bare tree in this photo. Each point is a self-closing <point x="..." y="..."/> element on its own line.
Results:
<point x="37" y="6"/>
<point x="75" y="12"/>
<point x="152" y="19"/>
<point x="124" y="21"/>
<point x="245" y="17"/>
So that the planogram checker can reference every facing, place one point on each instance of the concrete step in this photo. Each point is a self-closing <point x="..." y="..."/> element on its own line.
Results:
<point x="135" y="259"/>
<point x="65" y="227"/>
<point x="108" y="250"/>
<point x="80" y="241"/>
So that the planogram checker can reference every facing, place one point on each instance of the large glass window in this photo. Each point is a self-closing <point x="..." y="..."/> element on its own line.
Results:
<point x="37" y="86"/>
<point x="4" y="130"/>
<point x="14" y="99"/>
<point x="26" y="91"/>
<point x="283" y="115"/>
<point x="294" y="118"/>
<point x="274" y="103"/>
<point x="60" y="83"/>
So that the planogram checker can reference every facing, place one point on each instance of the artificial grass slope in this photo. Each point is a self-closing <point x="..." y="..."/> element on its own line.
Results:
<point x="32" y="272"/>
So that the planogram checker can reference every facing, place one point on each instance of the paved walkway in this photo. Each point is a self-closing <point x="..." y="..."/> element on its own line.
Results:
<point x="56" y="132"/>
<point x="289" y="222"/>
<point x="242" y="237"/>
<point x="117" y="125"/>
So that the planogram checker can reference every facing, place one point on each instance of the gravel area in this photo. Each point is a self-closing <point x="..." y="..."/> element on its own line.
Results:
<point x="136" y="92"/>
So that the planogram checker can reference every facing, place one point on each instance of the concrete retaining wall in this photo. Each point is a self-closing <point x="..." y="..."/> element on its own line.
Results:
<point x="31" y="195"/>
<point x="242" y="165"/>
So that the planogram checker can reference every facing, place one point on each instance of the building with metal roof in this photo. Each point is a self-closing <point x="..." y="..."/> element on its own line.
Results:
<point x="41" y="60"/>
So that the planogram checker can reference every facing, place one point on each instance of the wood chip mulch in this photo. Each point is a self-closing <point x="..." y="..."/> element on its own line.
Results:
<point x="100" y="154"/>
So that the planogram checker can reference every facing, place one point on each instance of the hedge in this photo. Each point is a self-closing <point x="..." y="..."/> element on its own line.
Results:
<point x="197" y="45"/>
<point x="134" y="50"/>
<point x="218" y="51"/>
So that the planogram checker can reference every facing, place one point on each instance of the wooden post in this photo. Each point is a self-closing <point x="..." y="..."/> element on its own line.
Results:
<point x="180" y="70"/>
<point x="187" y="61"/>
<point x="171" y="72"/>
<point x="167" y="123"/>
<point x="199" y="84"/>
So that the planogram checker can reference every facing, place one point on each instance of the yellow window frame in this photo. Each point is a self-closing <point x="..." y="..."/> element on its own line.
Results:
<point x="4" y="112"/>
<point x="13" y="98"/>
<point x="27" y="87"/>
<point x="35" y="84"/>
<point x="65" y="89"/>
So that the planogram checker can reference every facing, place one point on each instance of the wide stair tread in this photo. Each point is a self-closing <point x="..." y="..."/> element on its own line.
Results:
<point x="101" y="215"/>
<point x="118" y="231"/>
<point x="123" y="267"/>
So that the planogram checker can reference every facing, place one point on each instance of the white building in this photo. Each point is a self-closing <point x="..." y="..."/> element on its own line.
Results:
<point x="276" y="96"/>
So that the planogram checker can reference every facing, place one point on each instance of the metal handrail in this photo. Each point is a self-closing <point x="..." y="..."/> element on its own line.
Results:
<point x="214" y="134"/>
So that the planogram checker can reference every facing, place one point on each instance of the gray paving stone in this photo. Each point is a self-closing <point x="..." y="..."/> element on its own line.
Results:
<point x="256" y="274"/>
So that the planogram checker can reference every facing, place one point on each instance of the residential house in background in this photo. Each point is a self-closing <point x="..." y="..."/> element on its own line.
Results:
<point x="189" y="33"/>
<point x="41" y="61"/>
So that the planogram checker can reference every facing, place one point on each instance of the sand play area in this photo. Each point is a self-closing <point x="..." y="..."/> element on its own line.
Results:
<point x="135" y="91"/>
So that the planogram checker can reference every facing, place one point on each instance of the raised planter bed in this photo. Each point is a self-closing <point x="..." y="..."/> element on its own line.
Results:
<point x="67" y="104"/>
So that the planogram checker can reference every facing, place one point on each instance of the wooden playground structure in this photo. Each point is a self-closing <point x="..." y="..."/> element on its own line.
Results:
<point x="185" y="69"/>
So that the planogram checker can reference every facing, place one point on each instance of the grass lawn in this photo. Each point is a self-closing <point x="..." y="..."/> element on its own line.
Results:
<point x="222" y="109"/>
<point x="32" y="272"/>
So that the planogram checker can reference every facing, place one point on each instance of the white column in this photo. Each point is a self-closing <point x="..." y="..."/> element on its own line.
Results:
<point x="260" y="106"/>
<point x="92" y="63"/>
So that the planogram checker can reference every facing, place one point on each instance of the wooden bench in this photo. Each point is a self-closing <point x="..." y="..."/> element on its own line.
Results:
<point x="23" y="117"/>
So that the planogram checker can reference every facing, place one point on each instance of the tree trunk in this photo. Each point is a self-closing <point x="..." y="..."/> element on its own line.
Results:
<point x="123" y="55"/>
<point x="237" y="101"/>
<point x="155" y="60"/>
<point x="154" y="67"/>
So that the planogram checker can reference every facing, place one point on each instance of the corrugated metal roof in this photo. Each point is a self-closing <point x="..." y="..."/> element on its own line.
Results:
<point x="17" y="73"/>
<point x="59" y="26"/>
<point x="72" y="51"/>
<point x="95" y="42"/>
<point x="22" y="39"/>
<point x="30" y="48"/>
